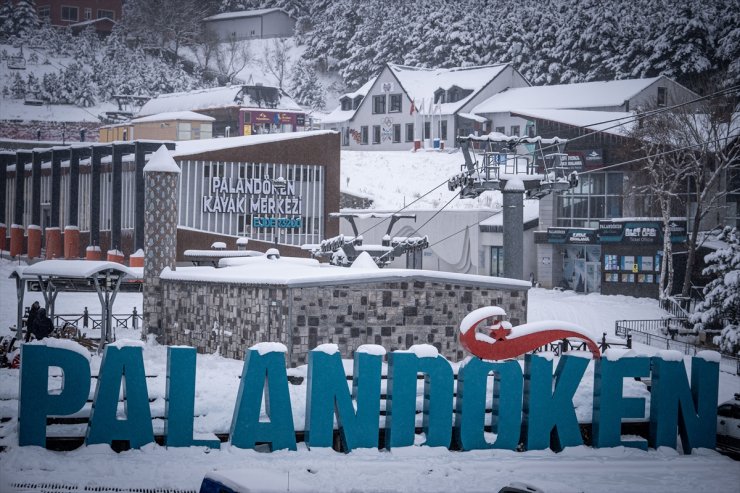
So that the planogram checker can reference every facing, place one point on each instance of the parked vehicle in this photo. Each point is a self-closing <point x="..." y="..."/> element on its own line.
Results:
<point x="728" y="425"/>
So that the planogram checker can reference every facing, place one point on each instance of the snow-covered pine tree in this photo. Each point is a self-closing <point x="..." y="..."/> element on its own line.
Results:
<point x="305" y="86"/>
<point x="6" y="18"/>
<point x="86" y="94"/>
<point x="721" y="305"/>
<point x="25" y="18"/>
<point x="18" y="87"/>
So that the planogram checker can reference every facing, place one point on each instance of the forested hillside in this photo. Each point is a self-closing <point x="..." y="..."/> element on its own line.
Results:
<point x="550" y="42"/>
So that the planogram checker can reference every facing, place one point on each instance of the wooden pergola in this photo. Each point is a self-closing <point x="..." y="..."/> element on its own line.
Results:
<point x="50" y="277"/>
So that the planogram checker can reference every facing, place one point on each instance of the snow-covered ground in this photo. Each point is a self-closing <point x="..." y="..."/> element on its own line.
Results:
<point x="395" y="179"/>
<point x="406" y="469"/>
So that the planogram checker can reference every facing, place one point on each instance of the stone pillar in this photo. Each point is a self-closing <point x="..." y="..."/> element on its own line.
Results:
<point x="34" y="241"/>
<point x="161" y="176"/>
<point x="513" y="225"/>
<point x="95" y="164"/>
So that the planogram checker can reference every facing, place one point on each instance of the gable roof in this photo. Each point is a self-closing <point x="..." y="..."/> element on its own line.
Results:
<point x="241" y="14"/>
<point x="174" y="115"/>
<point x="338" y="115"/>
<point x="202" y="99"/>
<point x="421" y="83"/>
<point x="565" y="96"/>
<point x="612" y="122"/>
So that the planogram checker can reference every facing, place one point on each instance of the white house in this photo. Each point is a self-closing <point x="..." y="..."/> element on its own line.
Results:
<point x="406" y="104"/>
<point x="250" y="24"/>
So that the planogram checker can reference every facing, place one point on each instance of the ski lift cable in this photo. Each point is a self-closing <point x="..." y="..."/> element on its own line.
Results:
<point x="592" y="171"/>
<point x="637" y="116"/>
<point x="621" y="121"/>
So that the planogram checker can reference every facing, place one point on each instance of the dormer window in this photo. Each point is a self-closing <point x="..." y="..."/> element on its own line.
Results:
<point x="356" y="102"/>
<point x="439" y="96"/>
<point x="346" y="104"/>
<point x="662" y="96"/>
<point x="455" y="94"/>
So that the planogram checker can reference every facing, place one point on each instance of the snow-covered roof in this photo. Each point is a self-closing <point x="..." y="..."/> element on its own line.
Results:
<point x="215" y="97"/>
<point x="563" y="96"/>
<point x="613" y="122"/>
<point x="190" y="147"/>
<point x="420" y="83"/>
<point x="71" y="269"/>
<point x="295" y="272"/>
<point x="242" y="14"/>
<point x="339" y="115"/>
<point x="174" y="115"/>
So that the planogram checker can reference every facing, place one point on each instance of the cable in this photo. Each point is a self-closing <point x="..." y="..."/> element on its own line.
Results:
<point x="596" y="170"/>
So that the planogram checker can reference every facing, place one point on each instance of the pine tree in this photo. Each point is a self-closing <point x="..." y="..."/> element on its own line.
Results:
<point x="25" y="18"/>
<point x="721" y="305"/>
<point x="305" y="86"/>
<point x="7" y="17"/>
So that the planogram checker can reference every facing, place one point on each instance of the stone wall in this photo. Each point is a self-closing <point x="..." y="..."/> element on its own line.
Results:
<point x="231" y="317"/>
<point x="56" y="131"/>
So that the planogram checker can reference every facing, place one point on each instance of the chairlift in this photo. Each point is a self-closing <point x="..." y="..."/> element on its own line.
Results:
<point x="16" y="62"/>
<point x="503" y="160"/>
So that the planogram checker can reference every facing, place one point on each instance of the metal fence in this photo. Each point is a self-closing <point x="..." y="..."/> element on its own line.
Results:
<point x="660" y="333"/>
<point x="93" y="321"/>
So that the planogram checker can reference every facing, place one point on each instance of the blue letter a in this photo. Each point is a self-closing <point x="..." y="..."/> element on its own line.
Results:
<point x="246" y="428"/>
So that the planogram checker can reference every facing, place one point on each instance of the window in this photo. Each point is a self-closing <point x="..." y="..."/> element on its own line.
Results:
<point x="206" y="130"/>
<point x="356" y="102"/>
<point x="443" y="129"/>
<point x="497" y="261"/>
<point x="345" y="136"/>
<point x="183" y="131"/>
<point x="376" y="134"/>
<point x="363" y="134"/>
<point x="530" y="130"/>
<point x="427" y="130"/>
<point x="379" y="104"/>
<point x="439" y="96"/>
<point x="69" y="14"/>
<point x="44" y="12"/>
<point x="501" y="130"/>
<point x="395" y="103"/>
<point x="88" y="13"/>
<point x="662" y="96"/>
<point x="409" y="132"/>
<point x="397" y="133"/>
<point x="346" y="104"/>
<point x="597" y="196"/>
<point x="106" y="14"/>
<point x="514" y="130"/>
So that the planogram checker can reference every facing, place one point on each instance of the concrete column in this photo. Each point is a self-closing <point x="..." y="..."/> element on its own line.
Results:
<point x="53" y="233"/>
<point x="72" y="229"/>
<point x="6" y="159"/>
<point x="93" y="249"/>
<point x="161" y="175"/>
<point x="34" y="229"/>
<point x="116" y="201"/>
<point x="513" y="224"/>
<point x="17" y="229"/>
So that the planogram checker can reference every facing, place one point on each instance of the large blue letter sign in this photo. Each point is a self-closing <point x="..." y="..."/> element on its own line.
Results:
<point x="327" y="390"/>
<point x="121" y="367"/>
<point x="673" y="405"/>
<point x="401" y="401"/>
<point x="35" y="402"/>
<point x="609" y="405"/>
<point x="546" y="410"/>
<point x="246" y="427"/>
<point x="471" y="404"/>
<point x="180" y="399"/>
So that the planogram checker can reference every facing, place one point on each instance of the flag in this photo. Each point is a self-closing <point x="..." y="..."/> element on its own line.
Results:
<point x="431" y="106"/>
<point x="411" y="110"/>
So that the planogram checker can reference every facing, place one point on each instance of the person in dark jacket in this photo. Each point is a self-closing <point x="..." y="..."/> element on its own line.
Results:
<point x="43" y="326"/>
<point x="31" y="320"/>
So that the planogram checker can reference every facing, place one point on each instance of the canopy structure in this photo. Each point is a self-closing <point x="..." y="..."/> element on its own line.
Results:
<point x="50" y="277"/>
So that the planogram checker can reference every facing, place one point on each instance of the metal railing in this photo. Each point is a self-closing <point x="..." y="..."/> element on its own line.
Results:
<point x="665" y="326"/>
<point x="657" y="333"/>
<point x="560" y="347"/>
<point x="93" y="321"/>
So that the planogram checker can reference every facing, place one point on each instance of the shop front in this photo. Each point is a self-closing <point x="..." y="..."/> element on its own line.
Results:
<point x="622" y="256"/>
<point x="260" y="121"/>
